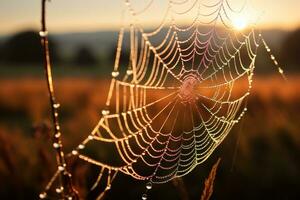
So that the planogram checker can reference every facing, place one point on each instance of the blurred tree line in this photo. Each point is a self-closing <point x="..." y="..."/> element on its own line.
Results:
<point x="290" y="50"/>
<point x="25" y="48"/>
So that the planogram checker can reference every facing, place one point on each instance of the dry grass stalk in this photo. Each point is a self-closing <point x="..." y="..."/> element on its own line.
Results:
<point x="209" y="182"/>
<point x="65" y="180"/>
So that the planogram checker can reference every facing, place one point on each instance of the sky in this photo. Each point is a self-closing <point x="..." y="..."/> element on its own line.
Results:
<point x="97" y="15"/>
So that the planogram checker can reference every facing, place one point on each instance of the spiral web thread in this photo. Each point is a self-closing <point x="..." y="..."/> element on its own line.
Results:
<point x="172" y="104"/>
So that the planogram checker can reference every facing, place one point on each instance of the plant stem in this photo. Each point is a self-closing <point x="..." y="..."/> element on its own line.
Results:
<point x="65" y="189"/>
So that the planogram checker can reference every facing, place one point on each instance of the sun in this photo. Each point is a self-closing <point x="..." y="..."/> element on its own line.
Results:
<point x="239" y="23"/>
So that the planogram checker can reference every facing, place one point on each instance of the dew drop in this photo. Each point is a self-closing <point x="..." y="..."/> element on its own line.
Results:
<point x="115" y="74"/>
<point x="56" y="145"/>
<point x="43" y="33"/>
<point x="129" y="72"/>
<point x="58" y="190"/>
<point x="43" y="195"/>
<point x="61" y="168"/>
<point x="81" y="146"/>
<point x="57" y="135"/>
<point x="90" y="137"/>
<point x="74" y="152"/>
<point x="149" y="186"/>
<point x="57" y="105"/>
<point x="144" y="197"/>
<point x="272" y="57"/>
<point x="105" y="112"/>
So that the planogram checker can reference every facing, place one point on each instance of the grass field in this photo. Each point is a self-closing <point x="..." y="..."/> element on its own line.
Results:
<point x="260" y="157"/>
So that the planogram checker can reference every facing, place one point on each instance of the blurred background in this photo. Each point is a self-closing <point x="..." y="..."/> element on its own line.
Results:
<point x="260" y="157"/>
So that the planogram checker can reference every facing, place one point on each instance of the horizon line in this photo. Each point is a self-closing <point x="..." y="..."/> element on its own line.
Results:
<point x="117" y="28"/>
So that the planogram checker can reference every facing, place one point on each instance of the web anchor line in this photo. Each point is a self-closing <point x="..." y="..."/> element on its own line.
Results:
<point x="276" y="64"/>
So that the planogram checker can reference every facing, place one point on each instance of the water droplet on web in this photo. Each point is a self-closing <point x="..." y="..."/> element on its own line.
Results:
<point x="61" y="168"/>
<point x="91" y="137"/>
<point x="105" y="112"/>
<point x="144" y="197"/>
<point x="149" y="185"/>
<point x="74" y="152"/>
<point x="57" y="105"/>
<point x="43" y="195"/>
<point x="59" y="190"/>
<point x="56" y="145"/>
<point x="129" y="72"/>
<point x="272" y="57"/>
<point x="115" y="74"/>
<point x="57" y="135"/>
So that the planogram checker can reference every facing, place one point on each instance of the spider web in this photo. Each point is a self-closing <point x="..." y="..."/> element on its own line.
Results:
<point x="179" y="94"/>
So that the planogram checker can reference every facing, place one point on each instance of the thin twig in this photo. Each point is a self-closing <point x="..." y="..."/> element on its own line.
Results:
<point x="65" y="189"/>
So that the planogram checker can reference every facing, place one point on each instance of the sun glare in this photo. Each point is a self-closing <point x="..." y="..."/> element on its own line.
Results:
<point x="239" y="23"/>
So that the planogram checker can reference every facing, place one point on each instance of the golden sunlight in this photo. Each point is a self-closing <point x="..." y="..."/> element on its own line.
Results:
<point x="240" y="23"/>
